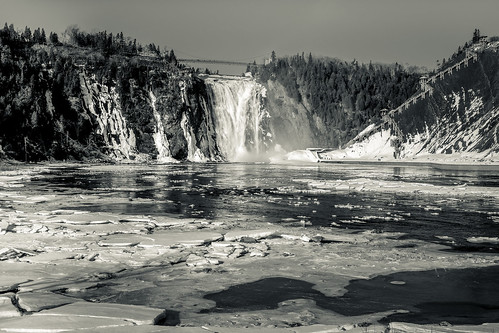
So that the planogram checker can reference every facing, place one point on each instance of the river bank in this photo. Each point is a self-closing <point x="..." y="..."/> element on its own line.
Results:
<point x="66" y="267"/>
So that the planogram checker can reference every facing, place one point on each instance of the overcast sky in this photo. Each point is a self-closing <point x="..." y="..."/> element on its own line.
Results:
<point x="417" y="32"/>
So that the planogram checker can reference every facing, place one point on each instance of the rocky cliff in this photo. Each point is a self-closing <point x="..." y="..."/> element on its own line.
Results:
<point x="101" y="104"/>
<point x="58" y="102"/>
<point x="457" y="114"/>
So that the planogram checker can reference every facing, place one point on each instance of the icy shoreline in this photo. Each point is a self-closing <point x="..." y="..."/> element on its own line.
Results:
<point x="451" y="161"/>
<point x="52" y="256"/>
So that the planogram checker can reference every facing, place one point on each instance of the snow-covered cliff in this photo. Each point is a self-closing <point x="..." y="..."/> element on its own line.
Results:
<point x="458" y="118"/>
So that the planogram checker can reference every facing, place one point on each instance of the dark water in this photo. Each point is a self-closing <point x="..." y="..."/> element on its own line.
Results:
<point x="283" y="194"/>
<point x="428" y="297"/>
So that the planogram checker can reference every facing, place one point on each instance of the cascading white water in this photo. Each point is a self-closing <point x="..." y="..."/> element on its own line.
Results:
<point x="237" y="115"/>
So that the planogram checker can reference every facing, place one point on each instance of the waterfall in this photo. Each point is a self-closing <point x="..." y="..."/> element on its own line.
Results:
<point x="237" y="116"/>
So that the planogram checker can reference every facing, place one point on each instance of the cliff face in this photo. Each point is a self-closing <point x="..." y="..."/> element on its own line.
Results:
<point x="101" y="104"/>
<point x="290" y="121"/>
<point x="197" y="124"/>
<point x="459" y="115"/>
<point x="56" y="107"/>
<point x="167" y="120"/>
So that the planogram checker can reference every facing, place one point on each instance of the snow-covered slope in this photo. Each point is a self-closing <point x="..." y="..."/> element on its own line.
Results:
<point x="458" y="119"/>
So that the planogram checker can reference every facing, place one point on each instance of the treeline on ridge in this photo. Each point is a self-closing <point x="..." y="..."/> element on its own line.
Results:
<point x="346" y="96"/>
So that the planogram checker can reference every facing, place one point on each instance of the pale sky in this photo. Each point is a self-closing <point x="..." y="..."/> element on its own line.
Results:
<point x="417" y="32"/>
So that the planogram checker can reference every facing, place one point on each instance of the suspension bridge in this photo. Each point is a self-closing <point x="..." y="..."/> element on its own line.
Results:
<point x="214" y="61"/>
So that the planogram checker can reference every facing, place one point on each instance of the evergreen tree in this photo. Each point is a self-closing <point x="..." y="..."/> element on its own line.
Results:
<point x="27" y="34"/>
<point x="54" y="39"/>
<point x="12" y="32"/>
<point x="476" y="36"/>
<point x="37" y="35"/>
<point x="43" y="37"/>
<point x="134" y="46"/>
<point x="172" y="58"/>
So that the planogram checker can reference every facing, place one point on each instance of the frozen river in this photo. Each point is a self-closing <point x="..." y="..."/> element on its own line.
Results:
<point x="450" y="206"/>
<point x="245" y="244"/>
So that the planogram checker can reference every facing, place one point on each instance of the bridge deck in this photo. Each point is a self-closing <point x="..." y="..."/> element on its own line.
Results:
<point x="211" y="61"/>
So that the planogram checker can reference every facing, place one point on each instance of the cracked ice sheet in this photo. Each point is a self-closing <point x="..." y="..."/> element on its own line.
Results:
<point x="160" y="276"/>
<point x="365" y="184"/>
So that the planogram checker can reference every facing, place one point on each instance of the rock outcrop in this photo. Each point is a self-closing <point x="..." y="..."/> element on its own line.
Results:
<point x="102" y="104"/>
